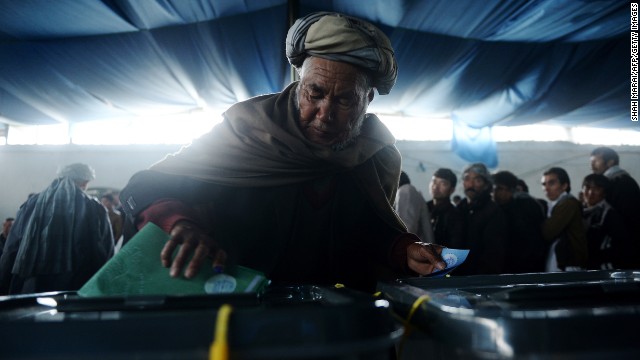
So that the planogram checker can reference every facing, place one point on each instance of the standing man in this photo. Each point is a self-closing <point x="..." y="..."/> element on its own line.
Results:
<point x="115" y="217"/>
<point x="6" y="227"/>
<point x="412" y="209"/>
<point x="299" y="184"/>
<point x="484" y="223"/>
<point x="446" y="219"/>
<point x="563" y="228"/>
<point x="60" y="238"/>
<point x="526" y="250"/>
<point x="623" y="193"/>
<point x="610" y="246"/>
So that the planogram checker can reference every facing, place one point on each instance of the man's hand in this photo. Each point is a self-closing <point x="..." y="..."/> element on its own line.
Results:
<point x="424" y="258"/>
<point x="195" y="241"/>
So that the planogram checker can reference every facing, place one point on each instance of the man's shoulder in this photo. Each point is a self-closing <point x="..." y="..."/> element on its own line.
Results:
<point x="569" y="203"/>
<point x="624" y="179"/>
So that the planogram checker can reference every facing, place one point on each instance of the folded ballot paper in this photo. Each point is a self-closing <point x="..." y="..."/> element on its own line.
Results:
<point x="453" y="258"/>
<point x="137" y="270"/>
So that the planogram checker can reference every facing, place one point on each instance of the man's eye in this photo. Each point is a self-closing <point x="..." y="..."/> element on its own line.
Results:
<point x="313" y="94"/>
<point x="345" y="101"/>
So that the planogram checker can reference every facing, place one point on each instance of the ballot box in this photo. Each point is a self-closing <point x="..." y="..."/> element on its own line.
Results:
<point x="573" y="315"/>
<point x="297" y="322"/>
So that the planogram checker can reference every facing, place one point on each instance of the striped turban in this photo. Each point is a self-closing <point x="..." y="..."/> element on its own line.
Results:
<point x="343" y="38"/>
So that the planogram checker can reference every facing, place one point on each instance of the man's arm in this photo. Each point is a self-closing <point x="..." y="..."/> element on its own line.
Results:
<point x="562" y="214"/>
<point x="167" y="201"/>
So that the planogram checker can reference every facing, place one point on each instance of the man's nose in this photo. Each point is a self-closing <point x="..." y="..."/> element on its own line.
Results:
<point x="325" y="111"/>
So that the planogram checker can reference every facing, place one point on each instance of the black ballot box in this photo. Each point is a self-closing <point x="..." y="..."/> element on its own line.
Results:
<point x="568" y="315"/>
<point x="296" y="322"/>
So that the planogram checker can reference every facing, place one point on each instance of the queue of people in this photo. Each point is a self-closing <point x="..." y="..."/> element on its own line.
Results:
<point x="521" y="234"/>
<point x="305" y="186"/>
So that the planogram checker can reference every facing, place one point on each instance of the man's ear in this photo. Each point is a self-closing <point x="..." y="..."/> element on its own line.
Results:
<point x="610" y="163"/>
<point x="371" y="95"/>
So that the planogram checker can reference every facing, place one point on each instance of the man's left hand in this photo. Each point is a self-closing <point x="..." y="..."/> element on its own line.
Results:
<point x="424" y="258"/>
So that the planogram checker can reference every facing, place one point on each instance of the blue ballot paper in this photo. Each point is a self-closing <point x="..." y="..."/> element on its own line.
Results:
<point x="453" y="258"/>
<point x="137" y="270"/>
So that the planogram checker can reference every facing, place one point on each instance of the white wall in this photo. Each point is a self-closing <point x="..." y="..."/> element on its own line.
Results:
<point x="27" y="169"/>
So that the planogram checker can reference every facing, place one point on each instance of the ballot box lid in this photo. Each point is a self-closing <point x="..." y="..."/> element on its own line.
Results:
<point x="286" y="322"/>
<point x="568" y="313"/>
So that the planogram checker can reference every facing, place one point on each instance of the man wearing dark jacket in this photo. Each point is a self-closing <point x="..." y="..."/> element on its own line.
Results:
<point x="446" y="219"/>
<point x="485" y="226"/>
<point x="623" y="193"/>
<point x="563" y="228"/>
<point x="526" y="249"/>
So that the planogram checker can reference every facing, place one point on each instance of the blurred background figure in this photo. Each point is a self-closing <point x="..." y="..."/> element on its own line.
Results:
<point x="59" y="239"/>
<point x="610" y="246"/>
<point x="6" y="226"/>
<point x="484" y="224"/>
<point x="563" y="228"/>
<point x="446" y="220"/>
<point x="412" y="209"/>
<point x="623" y="193"/>
<point x="115" y="216"/>
<point x="526" y="250"/>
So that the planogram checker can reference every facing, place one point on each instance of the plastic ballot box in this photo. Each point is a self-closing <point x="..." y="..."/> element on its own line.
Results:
<point x="569" y="315"/>
<point x="297" y="322"/>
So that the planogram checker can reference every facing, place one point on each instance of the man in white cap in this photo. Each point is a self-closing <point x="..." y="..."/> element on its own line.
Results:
<point x="299" y="184"/>
<point x="60" y="238"/>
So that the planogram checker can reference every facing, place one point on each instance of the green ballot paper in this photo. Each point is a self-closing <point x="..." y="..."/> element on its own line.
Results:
<point x="137" y="270"/>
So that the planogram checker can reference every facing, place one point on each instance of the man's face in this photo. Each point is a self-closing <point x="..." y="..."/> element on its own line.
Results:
<point x="440" y="188"/>
<point x="598" y="166"/>
<point x="552" y="187"/>
<point x="332" y="104"/>
<point x="6" y="226"/>
<point x="474" y="185"/>
<point x="501" y="194"/>
<point x="592" y="193"/>
<point x="82" y="184"/>
<point x="106" y="203"/>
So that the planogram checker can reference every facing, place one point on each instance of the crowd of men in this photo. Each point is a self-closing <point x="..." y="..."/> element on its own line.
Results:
<point x="509" y="231"/>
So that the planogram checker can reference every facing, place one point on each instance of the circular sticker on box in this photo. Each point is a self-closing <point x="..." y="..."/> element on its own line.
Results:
<point x="220" y="284"/>
<point x="451" y="259"/>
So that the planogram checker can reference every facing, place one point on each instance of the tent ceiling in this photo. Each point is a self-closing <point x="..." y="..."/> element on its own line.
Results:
<point x="480" y="63"/>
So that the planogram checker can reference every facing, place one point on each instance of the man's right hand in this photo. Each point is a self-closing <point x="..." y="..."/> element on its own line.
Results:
<point x="194" y="241"/>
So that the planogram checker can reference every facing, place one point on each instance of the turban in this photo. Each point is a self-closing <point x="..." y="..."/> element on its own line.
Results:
<point x="78" y="171"/>
<point x="343" y="38"/>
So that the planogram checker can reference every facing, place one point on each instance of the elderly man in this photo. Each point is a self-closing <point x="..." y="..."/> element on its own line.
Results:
<point x="298" y="184"/>
<point x="484" y="224"/>
<point x="60" y="237"/>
